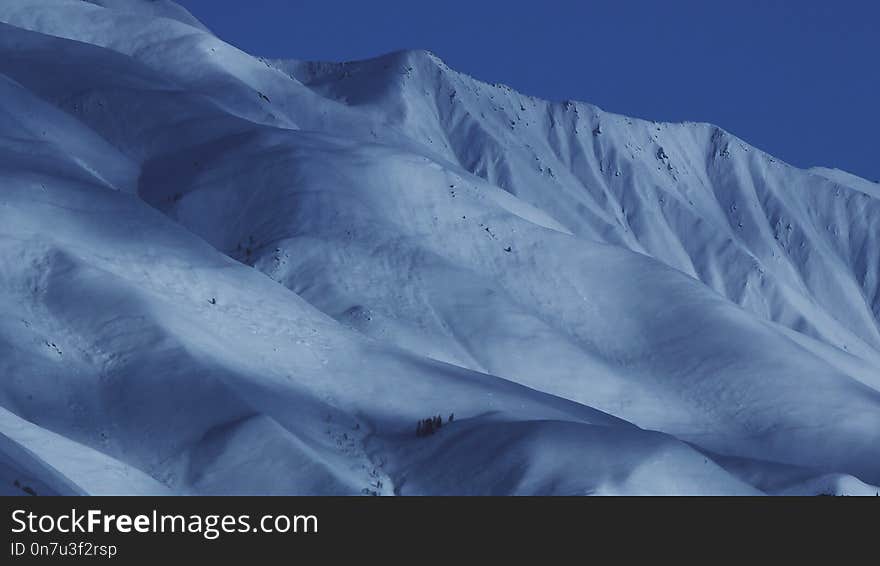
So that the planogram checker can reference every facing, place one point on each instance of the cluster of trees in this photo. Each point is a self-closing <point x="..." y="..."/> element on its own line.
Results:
<point x="25" y="488"/>
<point x="429" y="426"/>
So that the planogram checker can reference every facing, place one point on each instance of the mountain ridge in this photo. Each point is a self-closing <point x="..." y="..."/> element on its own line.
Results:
<point x="263" y="273"/>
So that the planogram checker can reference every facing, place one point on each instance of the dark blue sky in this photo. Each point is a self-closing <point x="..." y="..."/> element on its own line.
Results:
<point x="798" y="78"/>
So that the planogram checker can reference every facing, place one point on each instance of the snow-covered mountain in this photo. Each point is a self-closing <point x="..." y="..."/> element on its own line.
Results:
<point x="226" y="274"/>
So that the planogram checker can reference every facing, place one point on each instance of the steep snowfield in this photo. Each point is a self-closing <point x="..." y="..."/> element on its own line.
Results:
<point x="848" y="179"/>
<point x="786" y="245"/>
<point x="222" y="274"/>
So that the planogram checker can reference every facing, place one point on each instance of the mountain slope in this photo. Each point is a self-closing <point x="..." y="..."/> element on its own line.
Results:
<point x="231" y="275"/>
<point x="786" y="244"/>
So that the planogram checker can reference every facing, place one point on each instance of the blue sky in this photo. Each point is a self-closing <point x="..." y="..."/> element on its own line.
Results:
<point x="797" y="78"/>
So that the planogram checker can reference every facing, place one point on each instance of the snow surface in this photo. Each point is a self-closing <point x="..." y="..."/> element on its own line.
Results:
<point x="226" y="274"/>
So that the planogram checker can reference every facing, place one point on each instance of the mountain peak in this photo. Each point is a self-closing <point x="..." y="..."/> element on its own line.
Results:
<point x="224" y="274"/>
